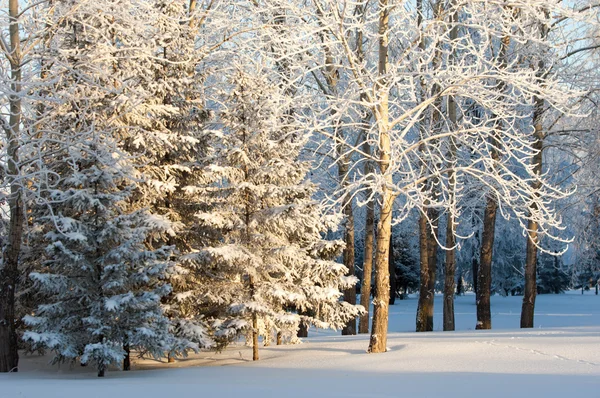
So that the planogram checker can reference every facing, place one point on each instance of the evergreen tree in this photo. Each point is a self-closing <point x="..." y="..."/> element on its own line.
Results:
<point x="271" y="268"/>
<point x="168" y="142"/>
<point x="101" y="284"/>
<point x="406" y="264"/>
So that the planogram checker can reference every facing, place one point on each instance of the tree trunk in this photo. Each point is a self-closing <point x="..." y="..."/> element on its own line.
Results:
<point x="127" y="359"/>
<point x="350" y="293"/>
<point x="365" y="291"/>
<point x="378" y="341"/>
<point x="279" y="338"/>
<point x="528" y="308"/>
<point x="449" y="275"/>
<point x="9" y="273"/>
<point x="424" y="308"/>
<point x="428" y="251"/>
<point x="475" y="268"/>
<point x="484" y="277"/>
<point x="254" y="337"/>
<point x="432" y="247"/>
<point x="450" y="263"/>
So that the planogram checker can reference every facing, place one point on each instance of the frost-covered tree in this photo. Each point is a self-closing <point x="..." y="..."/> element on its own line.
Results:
<point x="167" y="144"/>
<point x="270" y="269"/>
<point x="102" y="285"/>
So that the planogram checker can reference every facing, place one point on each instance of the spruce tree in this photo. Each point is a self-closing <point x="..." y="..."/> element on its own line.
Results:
<point x="101" y="284"/>
<point x="271" y="269"/>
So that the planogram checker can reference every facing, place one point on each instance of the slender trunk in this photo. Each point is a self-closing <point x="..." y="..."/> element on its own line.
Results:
<point x="449" y="275"/>
<point x="9" y="273"/>
<point x="432" y="248"/>
<point x="429" y="245"/>
<point x="350" y="293"/>
<point x="475" y="269"/>
<point x="528" y="308"/>
<point x="450" y="263"/>
<point x="484" y="275"/>
<point x="101" y="370"/>
<point x="378" y="341"/>
<point x="255" y="337"/>
<point x="127" y="359"/>
<point x="392" y="271"/>
<point x="279" y="338"/>
<point x="365" y="291"/>
<point x="428" y="252"/>
<point x="424" y="308"/>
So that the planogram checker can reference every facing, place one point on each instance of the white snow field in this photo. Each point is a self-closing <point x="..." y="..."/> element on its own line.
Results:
<point x="559" y="358"/>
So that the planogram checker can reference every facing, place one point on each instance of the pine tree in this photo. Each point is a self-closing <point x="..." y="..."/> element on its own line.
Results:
<point x="104" y="286"/>
<point x="271" y="264"/>
<point x="101" y="284"/>
<point x="168" y="143"/>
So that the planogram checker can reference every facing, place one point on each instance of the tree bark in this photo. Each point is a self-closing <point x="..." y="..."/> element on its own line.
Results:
<point x="425" y="307"/>
<point x="9" y="273"/>
<point x="378" y="341"/>
<point x="450" y="263"/>
<point x="528" y="308"/>
<point x="449" y="275"/>
<point x="254" y="337"/>
<point x="475" y="269"/>
<point x="365" y="291"/>
<point x="484" y="274"/>
<point x="350" y="293"/>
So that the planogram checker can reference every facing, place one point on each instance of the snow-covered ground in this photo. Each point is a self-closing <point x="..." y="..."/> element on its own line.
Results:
<point x="559" y="358"/>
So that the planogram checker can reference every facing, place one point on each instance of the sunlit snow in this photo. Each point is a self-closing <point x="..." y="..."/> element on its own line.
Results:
<point x="559" y="358"/>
